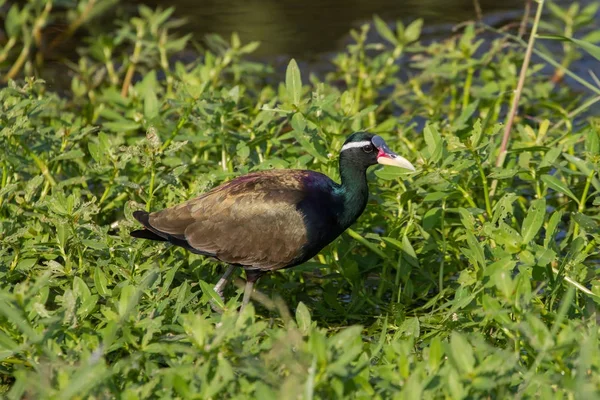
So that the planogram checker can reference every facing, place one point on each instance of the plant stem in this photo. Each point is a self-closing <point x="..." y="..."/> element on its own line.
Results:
<point x="109" y="186"/>
<point x="444" y="249"/>
<point x="486" y="194"/>
<point x="134" y="58"/>
<point x="151" y="191"/>
<point x="73" y="26"/>
<point x="581" y="207"/>
<point x="548" y="58"/>
<point x="587" y="104"/>
<point x="586" y="189"/>
<point x="7" y="47"/>
<point x="517" y="94"/>
<point x="478" y="12"/>
<point x="4" y="180"/>
<point x="175" y="131"/>
<point x="467" y="88"/>
<point x="16" y="67"/>
<point x="164" y="61"/>
<point x="523" y="25"/>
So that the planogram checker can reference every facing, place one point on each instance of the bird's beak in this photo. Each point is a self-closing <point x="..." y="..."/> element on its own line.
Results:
<point x="388" y="157"/>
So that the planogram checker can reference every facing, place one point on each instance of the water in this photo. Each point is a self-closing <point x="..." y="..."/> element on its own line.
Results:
<point x="308" y="28"/>
<point x="314" y="30"/>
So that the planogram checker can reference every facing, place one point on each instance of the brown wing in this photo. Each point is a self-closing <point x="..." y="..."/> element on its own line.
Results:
<point x="251" y="220"/>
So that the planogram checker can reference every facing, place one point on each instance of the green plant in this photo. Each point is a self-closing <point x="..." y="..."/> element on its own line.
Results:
<point x="442" y="289"/>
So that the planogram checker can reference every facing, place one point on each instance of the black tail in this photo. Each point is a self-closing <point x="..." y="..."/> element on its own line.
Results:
<point x="154" y="234"/>
<point x="149" y="232"/>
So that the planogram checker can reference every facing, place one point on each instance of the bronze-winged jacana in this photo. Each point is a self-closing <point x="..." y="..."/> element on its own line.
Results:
<point x="269" y="220"/>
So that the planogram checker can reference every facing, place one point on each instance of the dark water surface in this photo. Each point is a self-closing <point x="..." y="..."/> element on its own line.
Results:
<point x="303" y="28"/>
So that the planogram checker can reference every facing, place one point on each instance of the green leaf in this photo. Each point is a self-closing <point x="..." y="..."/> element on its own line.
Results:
<point x="586" y="223"/>
<point x="533" y="220"/>
<point x="209" y="291"/>
<point x="555" y="219"/>
<point x="462" y="121"/>
<point x="476" y="249"/>
<point x="476" y="133"/>
<point x="304" y="140"/>
<point x="504" y="207"/>
<point x="544" y="256"/>
<point x="455" y="385"/>
<point x="467" y="219"/>
<point x="432" y="218"/>
<point x="435" y="196"/>
<point x="249" y="48"/>
<point x="151" y="105"/>
<point x="346" y="335"/>
<point x="507" y="236"/>
<point x="7" y="346"/>
<point x="503" y="173"/>
<point x="434" y="142"/>
<point x="303" y="318"/>
<point x="298" y="122"/>
<point x="15" y="317"/>
<point x="461" y="353"/>
<point x="125" y="299"/>
<point x="26" y="264"/>
<point x="100" y="282"/>
<point x="293" y="82"/>
<point x="13" y="21"/>
<point x="558" y="185"/>
<point x="409" y="252"/>
<point x="413" y="30"/>
<point x="95" y="244"/>
<point x="436" y="352"/>
<point x="374" y="248"/>
<point x="61" y="230"/>
<point x="385" y="31"/>
<point x="504" y="264"/>
<point x="550" y="157"/>
<point x="592" y="141"/>
<point x="503" y="281"/>
<point x="583" y="166"/>
<point x="80" y="289"/>
<point x="69" y="155"/>
<point x="390" y="173"/>
<point x="85" y="378"/>
<point x="95" y="152"/>
<point x="591" y="48"/>
<point x="122" y="126"/>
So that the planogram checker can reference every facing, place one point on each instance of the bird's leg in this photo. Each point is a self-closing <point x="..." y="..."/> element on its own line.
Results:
<point x="251" y="277"/>
<point x="223" y="281"/>
<point x="220" y="286"/>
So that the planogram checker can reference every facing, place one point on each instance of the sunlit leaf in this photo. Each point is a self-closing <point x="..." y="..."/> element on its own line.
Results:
<point x="558" y="185"/>
<point x="293" y="82"/>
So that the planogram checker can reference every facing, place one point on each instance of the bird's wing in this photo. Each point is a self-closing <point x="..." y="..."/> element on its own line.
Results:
<point x="252" y="220"/>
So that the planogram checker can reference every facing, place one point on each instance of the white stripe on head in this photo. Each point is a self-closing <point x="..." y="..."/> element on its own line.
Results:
<point x="353" y="145"/>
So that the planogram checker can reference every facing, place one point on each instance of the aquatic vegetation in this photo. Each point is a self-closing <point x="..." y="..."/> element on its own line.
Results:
<point x="468" y="278"/>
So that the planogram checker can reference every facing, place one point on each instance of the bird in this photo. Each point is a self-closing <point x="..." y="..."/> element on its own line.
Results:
<point x="272" y="219"/>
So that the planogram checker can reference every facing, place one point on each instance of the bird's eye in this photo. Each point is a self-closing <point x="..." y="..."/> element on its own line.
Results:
<point x="368" y="148"/>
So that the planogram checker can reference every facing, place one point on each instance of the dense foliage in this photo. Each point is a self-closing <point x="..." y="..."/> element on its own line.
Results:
<point x="462" y="280"/>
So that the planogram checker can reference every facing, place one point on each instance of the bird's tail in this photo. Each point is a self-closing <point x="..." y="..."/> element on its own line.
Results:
<point x="148" y="232"/>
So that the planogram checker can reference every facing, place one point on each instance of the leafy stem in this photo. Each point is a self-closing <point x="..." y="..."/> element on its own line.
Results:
<point x="486" y="192"/>
<point x="581" y="207"/>
<point x="517" y="93"/>
<point x="134" y="57"/>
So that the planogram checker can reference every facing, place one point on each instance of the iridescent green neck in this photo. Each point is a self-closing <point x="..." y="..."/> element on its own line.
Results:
<point x="354" y="189"/>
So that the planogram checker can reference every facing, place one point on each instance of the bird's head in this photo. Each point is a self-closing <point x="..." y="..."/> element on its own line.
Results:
<point x="367" y="149"/>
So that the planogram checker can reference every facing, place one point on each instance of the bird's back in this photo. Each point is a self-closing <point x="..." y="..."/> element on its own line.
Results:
<point x="265" y="220"/>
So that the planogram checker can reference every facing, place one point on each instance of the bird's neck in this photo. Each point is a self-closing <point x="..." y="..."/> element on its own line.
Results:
<point x="354" y="190"/>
